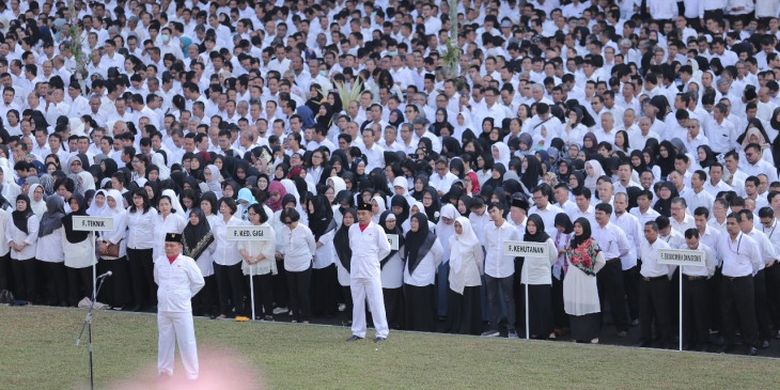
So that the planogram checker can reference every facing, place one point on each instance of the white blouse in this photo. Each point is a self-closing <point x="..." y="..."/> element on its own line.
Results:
<point x="325" y="254"/>
<point x="173" y="223"/>
<point x="139" y="224"/>
<point x="393" y="271"/>
<point x="536" y="270"/>
<point x="118" y="235"/>
<point x="226" y="252"/>
<point x="13" y="234"/>
<point x="425" y="272"/>
<point x="5" y="216"/>
<point x="80" y="254"/>
<point x="267" y="248"/>
<point x="49" y="247"/>
<point x="299" y="248"/>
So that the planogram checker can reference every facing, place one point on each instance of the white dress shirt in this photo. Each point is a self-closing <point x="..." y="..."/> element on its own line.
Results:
<point x="369" y="247"/>
<point x="425" y="272"/>
<point x="139" y="224"/>
<point x="536" y="270"/>
<point x="741" y="256"/>
<point x="630" y="226"/>
<point x="13" y="234"/>
<point x="299" y="248"/>
<point x="498" y="265"/>
<point x="650" y="266"/>
<point x="611" y="240"/>
<point x="710" y="262"/>
<point x="178" y="282"/>
<point x="226" y="252"/>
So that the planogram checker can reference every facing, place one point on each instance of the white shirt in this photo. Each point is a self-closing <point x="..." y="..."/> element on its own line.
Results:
<point x="536" y="270"/>
<point x="5" y="216"/>
<point x="648" y="216"/>
<point x="498" y="265"/>
<point x="226" y="252"/>
<point x="369" y="247"/>
<point x="13" y="234"/>
<point x="49" y="247"/>
<point x="650" y="267"/>
<point x="443" y="184"/>
<point x="178" y="282"/>
<point x="768" y="253"/>
<point x="741" y="256"/>
<point x="710" y="262"/>
<point x="695" y="200"/>
<point x="425" y="272"/>
<point x="611" y="240"/>
<point x="139" y="225"/>
<point x="687" y="223"/>
<point x="630" y="226"/>
<point x="548" y="216"/>
<point x="173" y="223"/>
<point x="299" y="247"/>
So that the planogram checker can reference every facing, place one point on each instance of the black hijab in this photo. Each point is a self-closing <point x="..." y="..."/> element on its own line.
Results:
<point x="541" y="235"/>
<point x="666" y="164"/>
<point x="197" y="237"/>
<point x="418" y="243"/>
<point x="586" y="232"/>
<point x="531" y="175"/>
<point x="341" y="241"/>
<point x="432" y="211"/>
<point x="20" y="217"/>
<point x="401" y="202"/>
<point x="397" y="231"/>
<point x="321" y="220"/>
<point x="75" y="236"/>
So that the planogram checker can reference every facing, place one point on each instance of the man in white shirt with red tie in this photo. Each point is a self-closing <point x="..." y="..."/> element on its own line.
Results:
<point x="369" y="245"/>
<point x="179" y="279"/>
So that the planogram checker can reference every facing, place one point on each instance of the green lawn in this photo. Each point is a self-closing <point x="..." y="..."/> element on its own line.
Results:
<point x="37" y="352"/>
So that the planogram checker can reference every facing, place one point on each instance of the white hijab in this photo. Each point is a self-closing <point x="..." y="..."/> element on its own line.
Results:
<point x="174" y="201"/>
<point x="94" y="210"/>
<point x="444" y="231"/>
<point x="159" y="161"/>
<point x="380" y="202"/>
<point x="38" y="207"/>
<point x="598" y="171"/>
<point x="504" y="154"/>
<point x="461" y="244"/>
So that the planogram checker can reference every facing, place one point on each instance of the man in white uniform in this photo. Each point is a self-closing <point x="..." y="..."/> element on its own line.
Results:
<point x="179" y="279"/>
<point x="369" y="244"/>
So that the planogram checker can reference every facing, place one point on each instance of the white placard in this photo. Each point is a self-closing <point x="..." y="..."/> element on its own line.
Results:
<point x="248" y="233"/>
<point x="525" y="249"/>
<point x="686" y="257"/>
<point x="393" y="240"/>
<point x="86" y="223"/>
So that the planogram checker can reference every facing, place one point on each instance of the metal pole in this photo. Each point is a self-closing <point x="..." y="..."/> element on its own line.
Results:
<point x="94" y="268"/>
<point x="680" y="324"/>
<point x="527" y="320"/>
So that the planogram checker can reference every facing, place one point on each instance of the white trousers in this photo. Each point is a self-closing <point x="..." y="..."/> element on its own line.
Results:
<point x="368" y="289"/>
<point x="176" y="327"/>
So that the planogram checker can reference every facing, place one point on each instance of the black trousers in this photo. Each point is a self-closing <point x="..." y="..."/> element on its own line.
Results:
<point x="6" y="275"/>
<point x="762" y="306"/>
<point x="116" y="289"/>
<point x="25" y="280"/>
<point x="500" y="288"/>
<point x="264" y="298"/>
<point x="79" y="284"/>
<point x="465" y="311"/>
<point x="738" y="300"/>
<point x="230" y="289"/>
<point x="298" y="286"/>
<point x="518" y="296"/>
<point x="346" y="292"/>
<point x="539" y="310"/>
<point x="142" y="277"/>
<point x="560" y="318"/>
<point x="654" y="309"/>
<point x="713" y="290"/>
<point x="55" y="283"/>
<point x="324" y="285"/>
<point x="280" y="285"/>
<point x="696" y="309"/>
<point x="631" y="285"/>
<point x="204" y="303"/>
<point x="394" y="309"/>
<point x="610" y="281"/>
<point x="419" y="309"/>
<point x="772" y="275"/>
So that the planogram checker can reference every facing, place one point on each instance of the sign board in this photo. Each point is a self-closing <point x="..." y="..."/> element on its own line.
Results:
<point x="686" y="257"/>
<point x="248" y="233"/>
<point x="393" y="240"/>
<point x="86" y="223"/>
<point x="525" y="249"/>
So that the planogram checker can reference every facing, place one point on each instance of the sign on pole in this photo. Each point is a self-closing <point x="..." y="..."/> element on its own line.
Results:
<point x="86" y="223"/>
<point x="682" y="257"/>
<point x="393" y="240"/>
<point x="525" y="249"/>
<point x="248" y="233"/>
<point x="687" y="258"/>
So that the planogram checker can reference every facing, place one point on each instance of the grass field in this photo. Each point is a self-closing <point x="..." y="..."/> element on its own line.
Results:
<point x="37" y="351"/>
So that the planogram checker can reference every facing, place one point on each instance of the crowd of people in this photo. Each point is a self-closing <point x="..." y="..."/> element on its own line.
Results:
<point x="605" y="130"/>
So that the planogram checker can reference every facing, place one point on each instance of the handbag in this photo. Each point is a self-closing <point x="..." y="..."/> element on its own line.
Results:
<point x="112" y="250"/>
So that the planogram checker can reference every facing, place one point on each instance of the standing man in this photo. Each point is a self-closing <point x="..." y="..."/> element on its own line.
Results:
<point x="369" y="244"/>
<point x="614" y="244"/>
<point x="179" y="279"/>
<point x="741" y="261"/>
<point x="499" y="271"/>
<point x="654" y="291"/>
<point x="696" y="304"/>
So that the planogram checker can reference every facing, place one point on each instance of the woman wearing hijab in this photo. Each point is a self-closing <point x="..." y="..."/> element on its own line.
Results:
<point x="21" y="232"/>
<point x="377" y="208"/>
<point x="422" y="254"/>
<point x="501" y="153"/>
<point x="49" y="254"/>
<point x="536" y="275"/>
<point x="593" y="171"/>
<point x="198" y="244"/>
<point x="666" y="157"/>
<point x="142" y="218"/>
<point x="705" y="157"/>
<point x="245" y="199"/>
<point x="344" y="258"/>
<point x="37" y="202"/>
<point x="445" y="230"/>
<point x="276" y="192"/>
<point x="392" y="272"/>
<point x="169" y="220"/>
<point x="112" y="247"/>
<point x="497" y="176"/>
<point x="531" y="173"/>
<point x="666" y="192"/>
<point x="563" y="235"/>
<point x="259" y="263"/>
<point x="78" y="252"/>
<point x="227" y="262"/>
<point x="580" y="289"/>
<point x="323" y="279"/>
<point x="213" y="179"/>
<point x="432" y="204"/>
<point x="590" y="146"/>
<point x="466" y="268"/>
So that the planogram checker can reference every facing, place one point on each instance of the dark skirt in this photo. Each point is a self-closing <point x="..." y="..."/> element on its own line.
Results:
<point x="585" y="328"/>
<point x="465" y="311"/>
<point x="394" y="307"/>
<point x="323" y="291"/>
<point x="560" y="319"/>
<point x="539" y="310"/>
<point x="418" y="308"/>
<point x="204" y="303"/>
<point x="116" y="289"/>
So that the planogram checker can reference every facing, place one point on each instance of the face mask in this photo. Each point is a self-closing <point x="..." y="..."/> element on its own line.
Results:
<point x="165" y="38"/>
<point x="324" y="73"/>
<point x="392" y="53"/>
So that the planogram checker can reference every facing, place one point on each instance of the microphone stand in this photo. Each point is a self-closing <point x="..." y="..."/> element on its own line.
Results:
<point x="88" y="326"/>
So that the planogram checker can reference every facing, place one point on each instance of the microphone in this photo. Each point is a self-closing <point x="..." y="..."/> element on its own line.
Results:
<point x="105" y="275"/>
